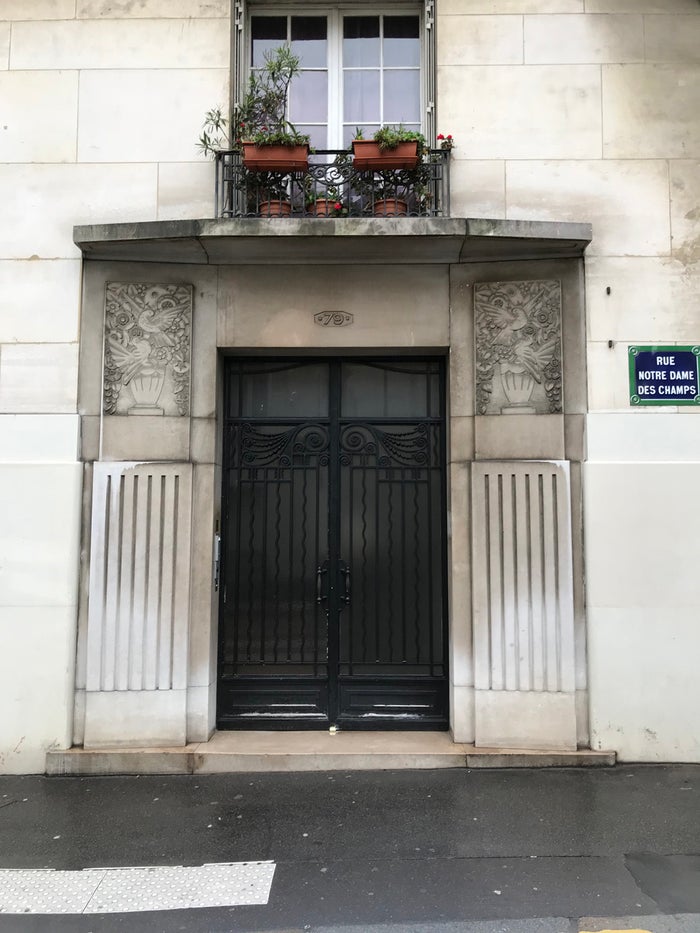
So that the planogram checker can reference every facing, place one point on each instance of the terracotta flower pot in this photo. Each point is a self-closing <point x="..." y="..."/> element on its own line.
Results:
<point x="275" y="208"/>
<point x="368" y="157"/>
<point x="324" y="207"/>
<point x="390" y="207"/>
<point x="275" y="158"/>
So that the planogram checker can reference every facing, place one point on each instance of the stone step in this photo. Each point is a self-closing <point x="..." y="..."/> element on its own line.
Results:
<point x="313" y="751"/>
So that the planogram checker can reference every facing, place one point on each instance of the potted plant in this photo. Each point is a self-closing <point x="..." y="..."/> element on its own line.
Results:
<point x="391" y="147"/>
<point x="395" y="192"/>
<point x="326" y="206"/>
<point x="269" y="141"/>
<point x="323" y="201"/>
<point x="260" y="129"/>
<point x="391" y="192"/>
<point x="268" y="193"/>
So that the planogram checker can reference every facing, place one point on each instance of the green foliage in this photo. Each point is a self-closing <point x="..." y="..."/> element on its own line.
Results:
<point x="389" y="137"/>
<point x="261" y="116"/>
<point x="395" y="183"/>
<point x="267" y="186"/>
<point x="214" y="135"/>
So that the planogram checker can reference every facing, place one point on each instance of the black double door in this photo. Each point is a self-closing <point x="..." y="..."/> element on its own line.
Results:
<point x="333" y="545"/>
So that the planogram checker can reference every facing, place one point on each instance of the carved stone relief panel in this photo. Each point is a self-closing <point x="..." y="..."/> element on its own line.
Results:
<point x="147" y="349"/>
<point x="518" y="347"/>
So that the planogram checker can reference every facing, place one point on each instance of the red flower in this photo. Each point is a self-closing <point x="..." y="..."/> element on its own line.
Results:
<point x="337" y="206"/>
<point x="440" y="136"/>
<point x="449" y="136"/>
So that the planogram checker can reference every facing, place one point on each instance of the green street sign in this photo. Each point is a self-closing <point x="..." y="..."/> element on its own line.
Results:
<point x="664" y="375"/>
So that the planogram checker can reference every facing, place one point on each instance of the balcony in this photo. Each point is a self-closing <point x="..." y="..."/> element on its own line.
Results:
<point x="333" y="188"/>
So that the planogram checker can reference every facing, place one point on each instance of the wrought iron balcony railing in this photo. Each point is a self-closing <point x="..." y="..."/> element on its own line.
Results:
<point x="332" y="187"/>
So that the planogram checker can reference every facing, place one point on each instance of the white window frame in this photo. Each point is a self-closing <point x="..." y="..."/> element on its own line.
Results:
<point x="425" y="11"/>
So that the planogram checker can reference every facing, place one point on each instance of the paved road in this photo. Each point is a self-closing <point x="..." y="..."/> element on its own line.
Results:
<point x="381" y="852"/>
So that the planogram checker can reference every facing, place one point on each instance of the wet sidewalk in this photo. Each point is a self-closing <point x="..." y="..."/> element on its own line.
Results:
<point x="441" y="851"/>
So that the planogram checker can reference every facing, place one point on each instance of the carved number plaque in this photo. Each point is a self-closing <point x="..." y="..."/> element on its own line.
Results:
<point x="333" y="318"/>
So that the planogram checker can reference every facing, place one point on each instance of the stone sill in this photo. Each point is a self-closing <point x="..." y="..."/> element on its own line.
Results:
<point x="332" y="241"/>
<point x="230" y="752"/>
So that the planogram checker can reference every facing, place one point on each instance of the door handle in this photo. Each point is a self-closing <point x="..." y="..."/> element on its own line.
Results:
<point x="345" y="570"/>
<point x="320" y="570"/>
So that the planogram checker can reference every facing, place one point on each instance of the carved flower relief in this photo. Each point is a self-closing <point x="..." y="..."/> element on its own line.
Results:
<point x="147" y="349"/>
<point x="518" y="347"/>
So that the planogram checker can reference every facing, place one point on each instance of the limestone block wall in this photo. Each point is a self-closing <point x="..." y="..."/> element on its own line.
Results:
<point x="591" y="113"/>
<point x="101" y="107"/>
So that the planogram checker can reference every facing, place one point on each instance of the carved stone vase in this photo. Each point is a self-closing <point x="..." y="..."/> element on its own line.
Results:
<point x="518" y="385"/>
<point x="146" y="389"/>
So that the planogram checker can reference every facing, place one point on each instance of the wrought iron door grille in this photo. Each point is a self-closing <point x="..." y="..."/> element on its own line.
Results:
<point x="391" y="498"/>
<point x="333" y="595"/>
<point x="278" y="475"/>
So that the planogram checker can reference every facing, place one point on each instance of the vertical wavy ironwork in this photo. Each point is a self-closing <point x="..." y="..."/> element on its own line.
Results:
<point x="364" y="565"/>
<point x="251" y="571"/>
<point x="278" y="517"/>
<point x="417" y="578"/>
<point x="304" y="536"/>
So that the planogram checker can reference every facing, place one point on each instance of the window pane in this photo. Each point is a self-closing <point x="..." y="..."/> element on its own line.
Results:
<point x="401" y="41"/>
<point x="402" y="97"/>
<point x="309" y="40"/>
<point x="318" y="134"/>
<point x="308" y="97"/>
<point x="360" y="41"/>
<point x="268" y="33"/>
<point x="299" y="391"/>
<point x="400" y="390"/>
<point x="368" y="131"/>
<point x="360" y="96"/>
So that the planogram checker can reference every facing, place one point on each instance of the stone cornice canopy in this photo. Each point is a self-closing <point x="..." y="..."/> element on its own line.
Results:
<point x="312" y="241"/>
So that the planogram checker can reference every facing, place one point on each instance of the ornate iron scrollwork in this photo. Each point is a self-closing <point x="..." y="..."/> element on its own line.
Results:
<point x="408" y="447"/>
<point x="260" y="449"/>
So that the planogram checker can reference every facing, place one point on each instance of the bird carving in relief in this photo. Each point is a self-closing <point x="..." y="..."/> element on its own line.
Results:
<point x="518" y="348"/>
<point x="154" y="316"/>
<point x="507" y="320"/>
<point x="534" y="357"/>
<point x="511" y="318"/>
<point x="131" y="357"/>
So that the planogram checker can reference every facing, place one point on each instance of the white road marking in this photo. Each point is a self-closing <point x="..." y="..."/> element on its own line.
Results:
<point x="122" y="890"/>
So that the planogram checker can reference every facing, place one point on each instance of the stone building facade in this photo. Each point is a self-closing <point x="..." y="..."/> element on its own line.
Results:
<point x="559" y="519"/>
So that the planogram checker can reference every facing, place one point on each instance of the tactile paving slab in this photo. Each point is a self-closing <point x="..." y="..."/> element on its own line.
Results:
<point x="124" y="890"/>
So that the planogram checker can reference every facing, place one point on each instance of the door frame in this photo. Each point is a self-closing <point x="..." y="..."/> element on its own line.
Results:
<point x="332" y="684"/>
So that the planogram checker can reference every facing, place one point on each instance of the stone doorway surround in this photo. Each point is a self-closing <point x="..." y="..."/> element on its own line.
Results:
<point x="162" y="304"/>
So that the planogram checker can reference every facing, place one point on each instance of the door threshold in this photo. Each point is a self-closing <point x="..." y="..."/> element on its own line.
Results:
<point x="236" y="752"/>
